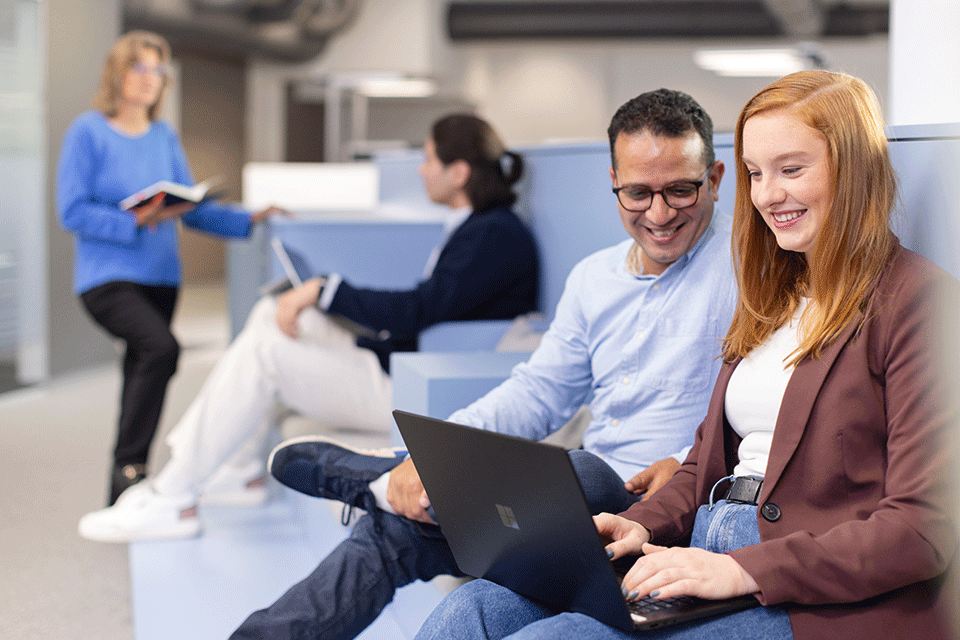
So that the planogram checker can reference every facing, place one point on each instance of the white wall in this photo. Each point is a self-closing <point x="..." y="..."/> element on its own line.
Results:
<point x="931" y="70"/>
<point x="539" y="91"/>
<point x="399" y="35"/>
<point x="77" y="37"/>
<point x="531" y="92"/>
<point x="265" y="120"/>
<point x="536" y="92"/>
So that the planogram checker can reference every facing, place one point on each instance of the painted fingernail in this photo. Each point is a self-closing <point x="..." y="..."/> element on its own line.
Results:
<point x="654" y="594"/>
<point x="609" y="553"/>
<point x="623" y="590"/>
<point x="634" y="594"/>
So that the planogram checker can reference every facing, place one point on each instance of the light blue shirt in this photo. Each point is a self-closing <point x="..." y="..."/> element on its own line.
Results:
<point x="643" y="351"/>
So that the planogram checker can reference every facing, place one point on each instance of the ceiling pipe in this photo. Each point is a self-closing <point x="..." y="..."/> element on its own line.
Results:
<point x="222" y="5"/>
<point x="334" y="21"/>
<point x="798" y="18"/>
<point x="227" y="28"/>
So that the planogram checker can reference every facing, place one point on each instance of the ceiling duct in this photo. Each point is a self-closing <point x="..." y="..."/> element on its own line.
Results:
<point x="798" y="18"/>
<point x="284" y="30"/>
<point x="269" y="11"/>
<point x="499" y="19"/>
<point x="860" y="20"/>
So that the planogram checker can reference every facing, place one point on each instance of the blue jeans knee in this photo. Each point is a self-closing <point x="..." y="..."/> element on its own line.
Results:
<point x="602" y="486"/>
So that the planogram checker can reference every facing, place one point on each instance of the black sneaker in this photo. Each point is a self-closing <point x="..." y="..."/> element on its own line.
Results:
<point x="324" y="468"/>
<point x="124" y="477"/>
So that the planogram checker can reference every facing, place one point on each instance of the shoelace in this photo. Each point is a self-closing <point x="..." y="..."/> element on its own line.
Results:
<point x="355" y="494"/>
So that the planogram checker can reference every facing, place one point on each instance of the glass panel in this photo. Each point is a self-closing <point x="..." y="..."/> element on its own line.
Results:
<point x="22" y="333"/>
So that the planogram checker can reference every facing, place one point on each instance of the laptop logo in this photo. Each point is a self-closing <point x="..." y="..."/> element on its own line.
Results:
<point x="507" y="517"/>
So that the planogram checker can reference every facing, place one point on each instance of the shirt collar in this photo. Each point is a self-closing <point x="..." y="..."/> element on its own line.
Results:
<point x="455" y="218"/>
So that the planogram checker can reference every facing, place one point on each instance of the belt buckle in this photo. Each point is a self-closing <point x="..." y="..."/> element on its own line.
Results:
<point x="744" y="490"/>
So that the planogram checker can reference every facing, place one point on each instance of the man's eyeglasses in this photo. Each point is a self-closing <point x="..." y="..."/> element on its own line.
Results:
<point x="677" y="195"/>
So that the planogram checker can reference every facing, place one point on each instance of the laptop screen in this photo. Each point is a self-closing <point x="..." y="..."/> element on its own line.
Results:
<point x="294" y="265"/>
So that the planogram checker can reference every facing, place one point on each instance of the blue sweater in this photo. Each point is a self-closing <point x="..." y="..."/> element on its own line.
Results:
<point x="99" y="166"/>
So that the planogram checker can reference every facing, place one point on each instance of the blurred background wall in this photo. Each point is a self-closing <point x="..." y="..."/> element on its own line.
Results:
<point x="314" y="80"/>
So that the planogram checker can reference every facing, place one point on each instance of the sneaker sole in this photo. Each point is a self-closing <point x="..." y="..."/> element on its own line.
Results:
<point x="385" y="452"/>
<point x="185" y="529"/>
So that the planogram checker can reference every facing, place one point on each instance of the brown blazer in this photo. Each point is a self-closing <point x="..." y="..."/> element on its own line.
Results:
<point x="857" y="527"/>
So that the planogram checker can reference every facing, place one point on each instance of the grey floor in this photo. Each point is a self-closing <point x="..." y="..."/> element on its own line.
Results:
<point x="54" y="454"/>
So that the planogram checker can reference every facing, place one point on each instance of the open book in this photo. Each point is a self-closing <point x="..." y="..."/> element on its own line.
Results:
<point x="176" y="193"/>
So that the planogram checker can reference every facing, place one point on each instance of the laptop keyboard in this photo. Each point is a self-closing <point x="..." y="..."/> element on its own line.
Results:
<point x="647" y="605"/>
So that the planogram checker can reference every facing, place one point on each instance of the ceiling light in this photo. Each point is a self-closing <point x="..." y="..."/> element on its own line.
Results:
<point x="757" y="62"/>
<point x="395" y="87"/>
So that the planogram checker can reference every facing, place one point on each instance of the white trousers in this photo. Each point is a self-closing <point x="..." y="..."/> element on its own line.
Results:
<point x="321" y="374"/>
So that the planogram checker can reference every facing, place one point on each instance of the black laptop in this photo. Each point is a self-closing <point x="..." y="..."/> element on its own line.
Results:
<point x="514" y="513"/>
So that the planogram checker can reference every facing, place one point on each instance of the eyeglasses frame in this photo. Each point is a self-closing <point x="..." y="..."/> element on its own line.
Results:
<point x="661" y="191"/>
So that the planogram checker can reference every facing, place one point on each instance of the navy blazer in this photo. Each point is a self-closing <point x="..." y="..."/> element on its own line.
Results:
<point x="487" y="270"/>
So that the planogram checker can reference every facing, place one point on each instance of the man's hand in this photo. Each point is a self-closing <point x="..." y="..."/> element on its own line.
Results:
<point x="406" y="494"/>
<point x="291" y="303"/>
<point x="652" y="478"/>
<point x="153" y="212"/>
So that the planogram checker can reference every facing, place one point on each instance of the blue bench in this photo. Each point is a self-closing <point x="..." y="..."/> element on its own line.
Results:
<point x="247" y="558"/>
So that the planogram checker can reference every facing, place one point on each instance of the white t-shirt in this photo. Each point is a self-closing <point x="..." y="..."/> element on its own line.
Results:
<point x="755" y="393"/>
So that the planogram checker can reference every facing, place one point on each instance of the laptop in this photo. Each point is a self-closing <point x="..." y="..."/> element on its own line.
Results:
<point x="296" y="270"/>
<point x="513" y="512"/>
<point x="294" y="265"/>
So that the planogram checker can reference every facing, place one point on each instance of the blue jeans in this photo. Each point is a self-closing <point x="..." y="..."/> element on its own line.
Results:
<point x="482" y="609"/>
<point x="353" y="584"/>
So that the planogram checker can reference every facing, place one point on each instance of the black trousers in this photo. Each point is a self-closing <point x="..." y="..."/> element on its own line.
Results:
<point x="140" y="316"/>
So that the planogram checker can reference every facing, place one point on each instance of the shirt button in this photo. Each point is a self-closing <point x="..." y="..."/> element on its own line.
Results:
<point x="626" y="381"/>
<point x="640" y="335"/>
<point x="656" y="287"/>
<point x="770" y="512"/>
<point x="615" y="422"/>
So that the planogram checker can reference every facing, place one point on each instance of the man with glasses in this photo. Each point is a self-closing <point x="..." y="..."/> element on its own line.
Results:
<point x="636" y="335"/>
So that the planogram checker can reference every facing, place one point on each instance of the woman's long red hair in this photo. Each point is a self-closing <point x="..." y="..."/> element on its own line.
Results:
<point x="855" y="241"/>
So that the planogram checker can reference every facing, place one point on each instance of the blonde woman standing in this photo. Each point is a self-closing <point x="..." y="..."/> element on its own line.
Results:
<point x="127" y="268"/>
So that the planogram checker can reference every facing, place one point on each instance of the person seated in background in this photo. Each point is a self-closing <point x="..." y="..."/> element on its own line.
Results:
<point x="636" y="334"/>
<point x="294" y="351"/>
<point x="830" y="410"/>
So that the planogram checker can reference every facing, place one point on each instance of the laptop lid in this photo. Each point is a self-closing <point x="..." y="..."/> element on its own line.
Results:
<point x="294" y="265"/>
<point x="513" y="512"/>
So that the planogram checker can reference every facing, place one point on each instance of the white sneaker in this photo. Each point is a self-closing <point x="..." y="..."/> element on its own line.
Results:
<point x="237" y="486"/>
<point x="141" y="513"/>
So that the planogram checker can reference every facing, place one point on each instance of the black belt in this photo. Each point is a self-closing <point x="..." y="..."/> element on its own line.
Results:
<point x="744" y="489"/>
